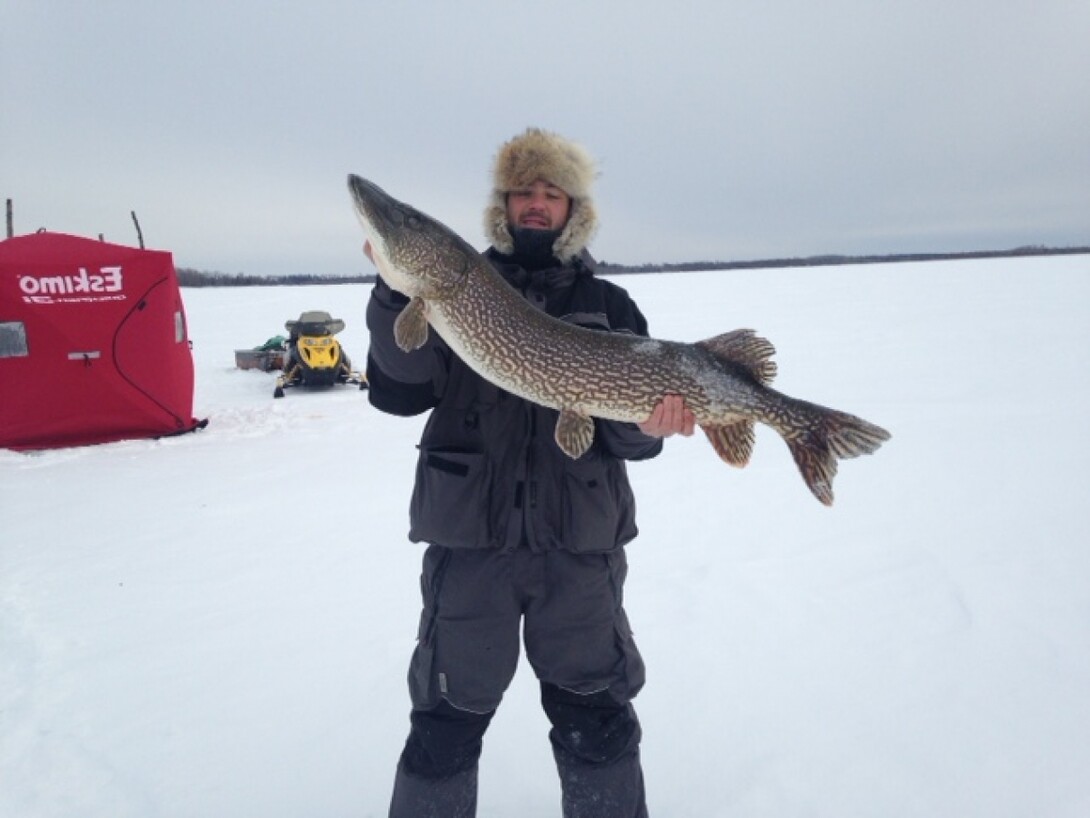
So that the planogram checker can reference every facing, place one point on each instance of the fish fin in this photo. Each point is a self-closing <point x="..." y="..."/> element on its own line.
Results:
<point x="411" y="326"/>
<point x="746" y="348"/>
<point x="850" y="436"/>
<point x="834" y="435"/>
<point x="733" y="442"/>
<point x="574" y="433"/>
<point x="816" y="463"/>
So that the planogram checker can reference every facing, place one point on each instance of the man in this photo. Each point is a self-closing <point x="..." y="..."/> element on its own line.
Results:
<point x="520" y="535"/>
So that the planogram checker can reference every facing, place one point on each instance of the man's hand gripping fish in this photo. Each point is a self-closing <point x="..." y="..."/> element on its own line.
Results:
<point x="586" y="373"/>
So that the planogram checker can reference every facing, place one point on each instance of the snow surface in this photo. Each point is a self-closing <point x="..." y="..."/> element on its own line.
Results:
<point x="218" y="625"/>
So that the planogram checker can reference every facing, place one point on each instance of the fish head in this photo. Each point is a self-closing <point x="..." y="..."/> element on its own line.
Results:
<point x="414" y="253"/>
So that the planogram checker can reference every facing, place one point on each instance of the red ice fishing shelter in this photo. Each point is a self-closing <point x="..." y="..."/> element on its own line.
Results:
<point x="93" y="343"/>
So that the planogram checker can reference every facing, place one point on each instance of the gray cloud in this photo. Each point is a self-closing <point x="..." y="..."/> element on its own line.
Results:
<point x="723" y="130"/>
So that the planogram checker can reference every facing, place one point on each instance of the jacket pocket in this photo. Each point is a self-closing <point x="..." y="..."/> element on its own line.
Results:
<point x="599" y="509"/>
<point x="450" y="502"/>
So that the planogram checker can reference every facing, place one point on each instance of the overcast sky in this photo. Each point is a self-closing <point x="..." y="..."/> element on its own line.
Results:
<point x="723" y="130"/>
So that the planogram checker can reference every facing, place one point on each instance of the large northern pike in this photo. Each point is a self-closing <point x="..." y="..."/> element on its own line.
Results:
<point x="586" y="373"/>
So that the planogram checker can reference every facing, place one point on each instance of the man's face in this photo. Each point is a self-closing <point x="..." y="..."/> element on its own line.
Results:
<point x="540" y="206"/>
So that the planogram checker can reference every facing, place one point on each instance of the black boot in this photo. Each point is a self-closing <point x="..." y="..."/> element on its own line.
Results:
<point x="452" y="797"/>
<point x="596" y="745"/>
<point x="612" y="790"/>
<point x="437" y="773"/>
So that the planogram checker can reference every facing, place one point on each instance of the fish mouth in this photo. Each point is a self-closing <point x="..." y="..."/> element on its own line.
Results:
<point x="380" y="216"/>
<point x="368" y="199"/>
<point x="376" y="209"/>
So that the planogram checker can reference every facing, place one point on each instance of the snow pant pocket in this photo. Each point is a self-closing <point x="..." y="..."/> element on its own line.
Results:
<point x="468" y="642"/>
<point x="577" y="635"/>
<point x="634" y="674"/>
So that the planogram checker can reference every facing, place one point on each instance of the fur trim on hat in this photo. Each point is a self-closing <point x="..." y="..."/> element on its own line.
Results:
<point x="538" y="154"/>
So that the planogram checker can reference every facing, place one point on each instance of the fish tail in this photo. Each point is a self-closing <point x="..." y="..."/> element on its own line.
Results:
<point x="831" y="436"/>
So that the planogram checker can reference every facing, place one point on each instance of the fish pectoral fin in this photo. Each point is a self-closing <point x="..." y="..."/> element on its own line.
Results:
<point x="411" y="326"/>
<point x="733" y="442"/>
<point x="574" y="433"/>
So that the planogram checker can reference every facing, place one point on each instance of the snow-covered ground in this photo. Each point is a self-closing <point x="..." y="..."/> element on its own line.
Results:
<point x="218" y="625"/>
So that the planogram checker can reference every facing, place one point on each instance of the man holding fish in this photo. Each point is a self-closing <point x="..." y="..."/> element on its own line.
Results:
<point x="522" y="538"/>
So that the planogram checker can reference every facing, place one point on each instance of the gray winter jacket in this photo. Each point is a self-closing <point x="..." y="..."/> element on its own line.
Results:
<point x="489" y="473"/>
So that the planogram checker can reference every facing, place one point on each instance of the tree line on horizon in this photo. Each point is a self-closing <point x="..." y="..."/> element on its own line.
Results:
<point x="833" y="260"/>
<point x="188" y="277"/>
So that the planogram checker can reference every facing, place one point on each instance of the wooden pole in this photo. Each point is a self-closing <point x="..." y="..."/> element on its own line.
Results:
<point x="11" y="219"/>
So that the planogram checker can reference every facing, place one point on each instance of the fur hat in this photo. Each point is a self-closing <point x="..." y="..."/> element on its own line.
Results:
<point x="538" y="154"/>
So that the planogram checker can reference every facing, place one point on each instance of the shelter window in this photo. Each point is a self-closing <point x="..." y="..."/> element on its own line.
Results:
<point x="13" y="339"/>
<point x="179" y="326"/>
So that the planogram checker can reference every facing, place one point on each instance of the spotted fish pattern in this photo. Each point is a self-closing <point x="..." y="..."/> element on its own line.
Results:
<point x="587" y="374"/>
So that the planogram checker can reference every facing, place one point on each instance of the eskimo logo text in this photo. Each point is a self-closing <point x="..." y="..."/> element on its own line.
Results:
<point x="82" y="286"/>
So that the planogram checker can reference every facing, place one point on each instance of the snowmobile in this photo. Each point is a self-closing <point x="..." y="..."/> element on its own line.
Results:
<point x="313" y="356"/>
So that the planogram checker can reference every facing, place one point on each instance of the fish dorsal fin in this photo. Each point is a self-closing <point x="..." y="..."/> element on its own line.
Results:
<point x="746" y="348"/>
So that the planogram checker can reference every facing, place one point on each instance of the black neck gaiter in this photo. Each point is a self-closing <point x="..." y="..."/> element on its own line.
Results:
<point x="534" y="248"/>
